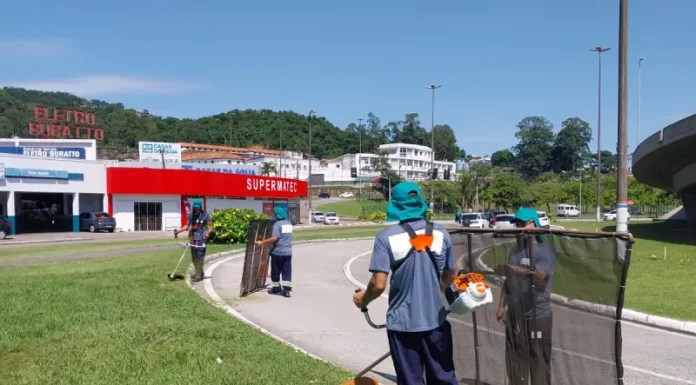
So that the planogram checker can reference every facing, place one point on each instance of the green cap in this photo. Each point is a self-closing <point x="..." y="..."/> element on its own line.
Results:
<point x="197" y="203"/>
<point x="526" y="214"/>
<point x="406" y="203"/>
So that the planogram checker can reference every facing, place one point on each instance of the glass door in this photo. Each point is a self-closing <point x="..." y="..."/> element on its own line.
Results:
<point x="147" y="216"/>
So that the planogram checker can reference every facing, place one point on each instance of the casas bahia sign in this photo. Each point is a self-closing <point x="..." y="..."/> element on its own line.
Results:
<point x="64" y="123"/>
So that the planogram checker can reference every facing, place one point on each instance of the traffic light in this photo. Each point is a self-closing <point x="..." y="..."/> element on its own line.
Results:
<point x="434" y="175"/>
<point x="447" y="174"/>
<point x="353" y="172"/>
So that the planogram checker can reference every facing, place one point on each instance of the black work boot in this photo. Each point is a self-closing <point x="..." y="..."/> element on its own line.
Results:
<point x="286" y="293"/>
<point x="274" y="290"/>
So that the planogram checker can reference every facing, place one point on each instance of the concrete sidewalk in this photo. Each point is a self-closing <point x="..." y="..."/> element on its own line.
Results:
<point x="320" y="317"/>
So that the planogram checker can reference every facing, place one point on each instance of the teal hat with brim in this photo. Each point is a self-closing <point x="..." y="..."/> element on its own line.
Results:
<point x="406" y="203"/>
<point x="526" y="214"/>
<point x="280" y="213"/>
<point x="197" y="203"/>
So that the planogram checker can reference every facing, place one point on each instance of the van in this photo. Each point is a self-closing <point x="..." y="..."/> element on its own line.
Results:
<point x="566" y="210"/>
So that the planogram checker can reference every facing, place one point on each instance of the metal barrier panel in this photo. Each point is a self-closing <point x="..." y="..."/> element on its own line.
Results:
<point x="563" y="295"/>
<point x="256" y="257"/>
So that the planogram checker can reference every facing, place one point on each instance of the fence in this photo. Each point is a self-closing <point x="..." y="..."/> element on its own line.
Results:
<point x="256" y="257"/>
<point x="563" y="329"/>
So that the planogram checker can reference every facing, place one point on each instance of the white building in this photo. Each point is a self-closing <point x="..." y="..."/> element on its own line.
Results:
<point x="85" y="149"/>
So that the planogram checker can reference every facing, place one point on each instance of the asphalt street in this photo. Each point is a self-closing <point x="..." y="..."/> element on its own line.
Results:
<point x="321" y="319"/>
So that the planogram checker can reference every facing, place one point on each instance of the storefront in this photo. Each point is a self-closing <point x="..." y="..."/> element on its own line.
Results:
<point x="47" y="195"/>
<point x="153" y="199"/>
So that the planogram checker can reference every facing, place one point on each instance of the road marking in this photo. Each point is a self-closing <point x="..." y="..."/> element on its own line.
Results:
<point x="347" y="272"/>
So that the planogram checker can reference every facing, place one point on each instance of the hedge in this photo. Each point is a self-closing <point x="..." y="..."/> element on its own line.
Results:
<point x="231" y="225"/>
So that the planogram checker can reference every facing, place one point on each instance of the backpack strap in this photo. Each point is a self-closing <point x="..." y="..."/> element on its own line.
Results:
<point x="418" y="243"/>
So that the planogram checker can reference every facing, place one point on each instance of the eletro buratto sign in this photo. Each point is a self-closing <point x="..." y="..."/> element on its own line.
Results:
<point x="64" y="123"/>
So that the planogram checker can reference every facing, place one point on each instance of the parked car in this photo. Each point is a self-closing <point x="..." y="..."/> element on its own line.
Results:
<point x="503" y="222"/>
<point x="543" y="219"/>
<point x="346" y="194"/>
<point x="318" y="216"/>
<point x="5" y="227"/>
<point x="566" y="210"/>
<point x="331" y="218"/>
<point x="488" y="215"/>
<point x="474" y="220"/>
<point x="498" y="212"/>
<point x="98" y="221"/>
<point x="611" y="215"/>
<point x="324" y="195"/>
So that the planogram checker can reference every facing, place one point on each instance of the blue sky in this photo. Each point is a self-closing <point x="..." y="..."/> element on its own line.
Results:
<point x="497" y="61"/>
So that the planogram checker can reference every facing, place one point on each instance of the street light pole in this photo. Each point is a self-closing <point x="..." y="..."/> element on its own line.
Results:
<point x="622" y="177"/>
<point x="599" y="51"/>
<point x="280" y="158"/>
<point x="309" y="177"/>
<point x="640" y="80"/>
<point x="432" y="87"/>
<point x="359" y="157"/>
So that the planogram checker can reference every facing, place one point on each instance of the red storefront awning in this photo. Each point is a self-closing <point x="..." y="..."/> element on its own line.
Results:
<point x="152" y="181"/>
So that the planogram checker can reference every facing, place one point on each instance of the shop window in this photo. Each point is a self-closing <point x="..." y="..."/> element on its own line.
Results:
<point x="147" y="216"/>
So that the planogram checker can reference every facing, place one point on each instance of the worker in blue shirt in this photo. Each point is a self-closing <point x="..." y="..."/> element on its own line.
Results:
<point x="420" y="258"/>
<point x="281" y="253"/>
<point x="199" y="225"/>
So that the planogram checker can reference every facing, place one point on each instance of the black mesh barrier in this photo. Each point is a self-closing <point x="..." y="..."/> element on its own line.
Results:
<point x="563" y="295"/>
<point x="256" y="257"/>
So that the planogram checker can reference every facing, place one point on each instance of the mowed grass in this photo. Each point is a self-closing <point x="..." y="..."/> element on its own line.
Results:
<point x="351" y="208"/>
<point x="58" y="249"/>
<point x="120" y="321"/>
<point x="656" y="284"/>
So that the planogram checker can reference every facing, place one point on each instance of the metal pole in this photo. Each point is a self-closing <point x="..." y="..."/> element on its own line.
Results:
<point x="432" y="87"/>
<point x="280" y="158"/>
<point x="359" y="156"/>
<point x="640" y="81"/>
<point x="599" y="51"/>
<point x="622" y="179"/>
<point x="309" y="178"/>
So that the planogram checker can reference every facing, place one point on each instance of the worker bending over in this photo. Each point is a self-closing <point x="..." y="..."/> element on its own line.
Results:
<point x="419" y="256"/>
<point x="281" y="253"/>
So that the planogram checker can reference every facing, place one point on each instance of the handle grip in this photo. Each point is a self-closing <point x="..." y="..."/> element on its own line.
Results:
<point x="367" y="316"/>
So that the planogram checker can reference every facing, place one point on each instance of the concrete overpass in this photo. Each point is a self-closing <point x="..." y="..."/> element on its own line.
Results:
<point x="667" y="160"/>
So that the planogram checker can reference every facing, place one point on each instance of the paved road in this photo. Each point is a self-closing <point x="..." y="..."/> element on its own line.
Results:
<point x="321" y="319"/>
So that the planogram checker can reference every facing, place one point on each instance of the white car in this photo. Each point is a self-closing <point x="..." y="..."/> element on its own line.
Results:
<point x="331" y="218"/>
<point x="566" y="210"/>
<point x="346" y="194"/>
<point x="474" y="221"/>
<point x="543" y="219"/>
<point x="611" y="215"/>
<point x="318" y="216"/>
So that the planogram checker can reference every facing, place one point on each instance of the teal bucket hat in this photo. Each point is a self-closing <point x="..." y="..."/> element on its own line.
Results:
<point x="406" y="203"/>
<point x="280" y="213"/>
<point x="197" y="203"/>
<point x="526" y="214"/>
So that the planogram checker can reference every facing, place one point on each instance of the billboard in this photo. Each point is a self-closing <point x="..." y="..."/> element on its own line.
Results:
<point x="228" y="169"/>
<point x="152" y="152"/>
<point x="47" y="152"/>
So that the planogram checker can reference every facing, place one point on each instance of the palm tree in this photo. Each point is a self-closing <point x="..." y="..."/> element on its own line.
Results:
<point x="267" y="168"/>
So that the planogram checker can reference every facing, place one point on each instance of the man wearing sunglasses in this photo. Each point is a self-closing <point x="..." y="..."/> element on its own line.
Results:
<point x="526" y="295"/>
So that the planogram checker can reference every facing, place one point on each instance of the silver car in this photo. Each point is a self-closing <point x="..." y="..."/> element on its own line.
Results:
<point x="503" y="222"/>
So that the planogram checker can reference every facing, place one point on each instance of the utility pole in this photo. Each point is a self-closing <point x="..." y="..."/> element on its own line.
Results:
<point x="599" y="51"/>
<point x="432" y="87"/>
<point x="640" y="81"/>
<point x="622" y="179"/>
<point x="309" y="177"/>
<point x="360" y="157"/>
<point x="280" y="158"/>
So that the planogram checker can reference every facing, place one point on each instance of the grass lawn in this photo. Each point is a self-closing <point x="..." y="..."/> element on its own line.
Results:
<point x="351" y="208"/>
<point x="655" y="285"/>
<point x="120" y="321"/>
<point x="65" y="248"/>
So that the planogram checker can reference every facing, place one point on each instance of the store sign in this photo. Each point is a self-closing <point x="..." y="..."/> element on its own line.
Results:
<point x="241" y="169"/>
<point x="153" y="151"/>
<point x="2" y="171"/>
<point x="271" y="185"/>
<point x="47" y="152"/>
<point x="64" y="123"/>
<point x="36" y="173"/>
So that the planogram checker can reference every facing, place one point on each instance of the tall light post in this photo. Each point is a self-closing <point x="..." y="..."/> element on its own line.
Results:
<point x="280" y="157"/>
<point x="599" y="50"/>
<point x="309" y="178"/>
<point x="640" y="80"/>
<point x="359" y="157"/>
<point x="432" y="87"/>
<point x="622" y="177"/>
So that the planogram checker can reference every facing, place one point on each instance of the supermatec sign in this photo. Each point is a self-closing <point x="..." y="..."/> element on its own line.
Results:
<point x="64" y="123"/>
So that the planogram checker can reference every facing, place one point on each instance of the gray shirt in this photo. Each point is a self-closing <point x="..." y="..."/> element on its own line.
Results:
<point x="518" y="289"/>
<point x="200" y="226"/>
<point x="415" y="299"/>
<point x="283" y="231"/>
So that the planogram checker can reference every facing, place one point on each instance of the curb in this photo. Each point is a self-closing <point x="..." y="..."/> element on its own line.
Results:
<point x="674" y="325"/>
<point x="39" y="241"/>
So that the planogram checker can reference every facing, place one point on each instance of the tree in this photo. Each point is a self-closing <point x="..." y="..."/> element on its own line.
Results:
<point x="445" y="143"/>
<point x="509" y="191"/>
<point x="609" y="162"/>
<point x="533" y="152"/>
<point x="571" y="149"/>
<point x="502" y="158"/>
<point x="387" y="176"/>
<point x="268" y="168"/>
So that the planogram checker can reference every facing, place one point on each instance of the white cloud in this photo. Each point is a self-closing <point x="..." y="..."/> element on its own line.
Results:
<point x="100" y="85"/>
<point x="50" y="47"/>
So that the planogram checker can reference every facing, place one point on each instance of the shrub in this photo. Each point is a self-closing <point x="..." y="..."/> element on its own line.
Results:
<point x="232" y="225"/>
<point x="429" y="215"/>
<point x="364" y="214"/>
<point x="378" y="216"/>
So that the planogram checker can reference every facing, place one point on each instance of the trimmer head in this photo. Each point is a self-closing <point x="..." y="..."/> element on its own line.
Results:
<point x="361" y="381"/>
<point x="175" y="277"/>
